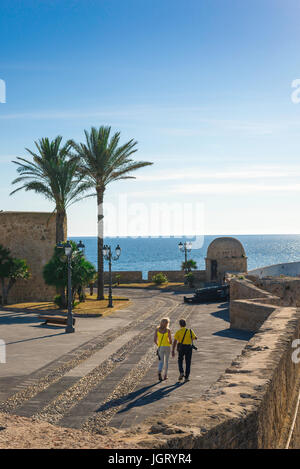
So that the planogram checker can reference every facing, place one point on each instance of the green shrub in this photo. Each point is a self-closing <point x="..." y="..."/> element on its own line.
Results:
<point x="58" y="301"/>
<point x="159" y="279"/>
<point x="189" y="279"/>
<point x="11" y="270"/>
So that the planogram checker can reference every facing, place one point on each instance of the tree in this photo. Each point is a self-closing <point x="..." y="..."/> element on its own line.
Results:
<point x="102" y="161"/>
<point x="53" y="174"/>
<point x="11" y="270"/>
<point x="55" y="272"/>
<point x="189" y="265"/>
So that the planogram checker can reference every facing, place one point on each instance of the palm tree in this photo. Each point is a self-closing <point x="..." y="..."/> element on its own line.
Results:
<point x="53" y="174"/>
<point x="102" y="161"/>
<point x="189" y="265"/>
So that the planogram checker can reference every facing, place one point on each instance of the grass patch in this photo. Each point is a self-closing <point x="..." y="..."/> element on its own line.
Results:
<point x="91" y="306"/>
<point x="151" y="285"/>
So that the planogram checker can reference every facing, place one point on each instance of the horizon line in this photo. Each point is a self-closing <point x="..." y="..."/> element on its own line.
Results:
<point x="187" y="236"/>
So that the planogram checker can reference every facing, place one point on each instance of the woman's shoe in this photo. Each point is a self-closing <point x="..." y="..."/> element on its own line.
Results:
<point x="165" y="377"/>
<point x="160" y="377"/>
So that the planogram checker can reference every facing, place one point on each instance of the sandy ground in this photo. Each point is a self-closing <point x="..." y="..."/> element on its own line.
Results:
<point x="23" y="433"/>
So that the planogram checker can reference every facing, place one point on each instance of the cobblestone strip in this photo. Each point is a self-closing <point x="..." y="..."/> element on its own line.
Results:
<point x="57" y="369"/>
<point x="96" y="422"/>
<point x="72" y="397"/>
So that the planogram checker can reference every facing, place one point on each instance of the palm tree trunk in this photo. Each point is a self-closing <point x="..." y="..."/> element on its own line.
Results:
<point x="100" y="281"/>
<point x="60" y="222"/>
<point x="60" y="237"/>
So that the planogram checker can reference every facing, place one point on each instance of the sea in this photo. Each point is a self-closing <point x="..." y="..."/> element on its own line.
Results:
<point x="162" y="253"/>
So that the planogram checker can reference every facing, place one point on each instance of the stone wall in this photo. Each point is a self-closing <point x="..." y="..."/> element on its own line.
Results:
<point x="291" y="269"/>
<point x="178" y="275"/>
<point x="249" y="315"/>
<point x="30" y="236"/>
<point x="242" y="288"/>
<point x="128" y="276"/>
<point x="249" y="305"/>
<point x="252" y="405"/>
<point x="287" y="288"/>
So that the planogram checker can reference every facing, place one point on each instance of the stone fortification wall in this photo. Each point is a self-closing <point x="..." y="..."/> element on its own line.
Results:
<point x="290" y="269"/>
<point x="178" y="275"/>
<point x="30" y="236"/>
<point x="249" y="305"/>
<point x="287" y="288"/>
<point x="128" y="276"/>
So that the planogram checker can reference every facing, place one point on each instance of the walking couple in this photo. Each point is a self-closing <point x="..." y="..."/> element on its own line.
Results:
<point x="183" y="338"/>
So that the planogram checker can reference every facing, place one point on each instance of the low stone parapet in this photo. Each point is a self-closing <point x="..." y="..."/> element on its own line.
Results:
<point x="250" y="306"/>
<point x="249" y="315"/>
<point x="178" y="275"/>
<point x="242" y="288"/>
<point x="128" y="276"/>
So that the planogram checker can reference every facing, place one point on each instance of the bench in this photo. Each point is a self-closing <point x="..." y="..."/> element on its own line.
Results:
<point x="55" y="320"/>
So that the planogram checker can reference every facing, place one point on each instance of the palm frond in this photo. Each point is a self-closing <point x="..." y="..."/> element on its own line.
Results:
<point x="101" y="158"/>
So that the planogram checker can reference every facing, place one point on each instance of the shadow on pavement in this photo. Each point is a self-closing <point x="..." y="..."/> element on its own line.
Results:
<point x="235" y="334"/>
<point x="145" y="399"/>
<point x="18" y="318"/>
<point x="222" y="313"/>
<point x="35" y="338"/>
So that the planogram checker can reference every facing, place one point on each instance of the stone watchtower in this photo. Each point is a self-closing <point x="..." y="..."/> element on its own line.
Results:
<point x="224" y="255"/>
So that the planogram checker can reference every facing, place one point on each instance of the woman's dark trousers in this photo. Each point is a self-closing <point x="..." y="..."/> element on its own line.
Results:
<point x="185" y="352"/>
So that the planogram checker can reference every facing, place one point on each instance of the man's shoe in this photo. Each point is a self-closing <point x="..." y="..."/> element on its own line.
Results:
<point x="181" y="376"/>
<point x="186" y="380"/>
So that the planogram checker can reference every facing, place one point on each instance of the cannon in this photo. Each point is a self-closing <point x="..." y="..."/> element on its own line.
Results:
<point x="212" y="294"/>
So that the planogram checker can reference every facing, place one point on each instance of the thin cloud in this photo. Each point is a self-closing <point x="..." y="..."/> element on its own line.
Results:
<point x="264" y="172"/>
<point x="241" y="189"/>
<point x="63" y="115"/>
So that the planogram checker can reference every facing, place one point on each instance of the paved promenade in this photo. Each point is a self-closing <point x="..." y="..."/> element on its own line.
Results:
<point x="105" y="374"/>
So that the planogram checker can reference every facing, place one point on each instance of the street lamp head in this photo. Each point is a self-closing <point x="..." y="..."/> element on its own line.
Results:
<point x="118" y="251"/>
<point x="80" y="245"/>
<point x="68" y="248"/>
<point x="105" y="250"/>
<point x="180" y="245"/>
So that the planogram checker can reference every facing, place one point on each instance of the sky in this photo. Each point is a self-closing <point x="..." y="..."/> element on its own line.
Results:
<point x="204" y="86"/>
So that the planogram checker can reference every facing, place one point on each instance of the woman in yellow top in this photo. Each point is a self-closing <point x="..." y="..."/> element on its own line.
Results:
<point x="163" y="340"/>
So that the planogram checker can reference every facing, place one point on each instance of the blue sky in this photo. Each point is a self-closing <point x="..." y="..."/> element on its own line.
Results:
<point x="204" y="86"/>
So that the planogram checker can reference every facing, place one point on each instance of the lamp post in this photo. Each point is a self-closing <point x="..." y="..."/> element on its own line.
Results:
<point x="68" y="252"/>
<point x="185" y="247"/>
<point x="109" y="257"/>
